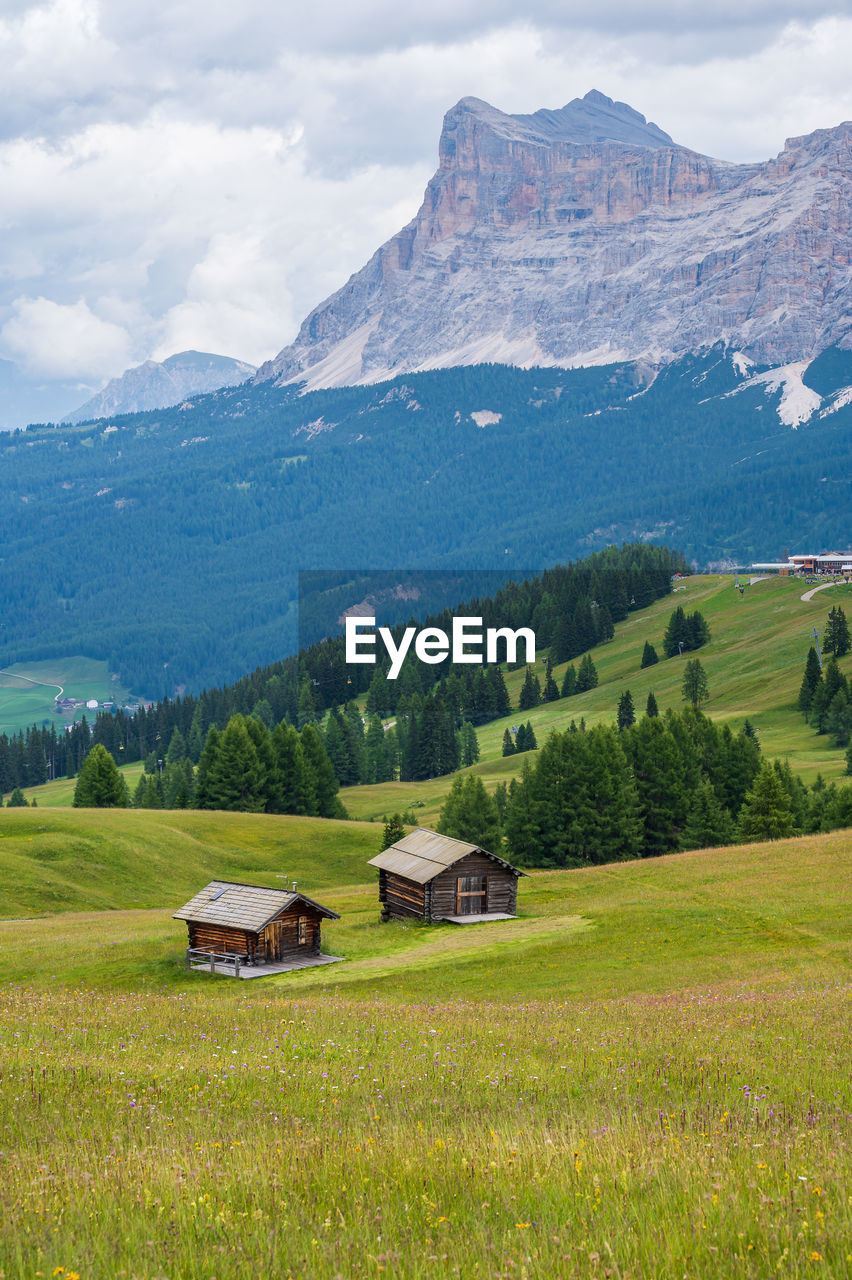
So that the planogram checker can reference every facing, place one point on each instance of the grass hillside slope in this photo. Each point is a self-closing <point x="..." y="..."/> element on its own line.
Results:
<point x="754" y="663"/>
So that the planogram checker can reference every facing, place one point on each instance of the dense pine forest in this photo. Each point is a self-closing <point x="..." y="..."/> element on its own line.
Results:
<point x="573" y="605"/>
<point x="168" y="543"/>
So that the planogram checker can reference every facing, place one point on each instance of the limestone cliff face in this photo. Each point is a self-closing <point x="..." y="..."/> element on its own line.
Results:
<point x="584" y="235"/>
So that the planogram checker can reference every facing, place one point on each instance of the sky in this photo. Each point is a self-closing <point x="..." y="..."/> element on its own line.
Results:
<point x="182" y="174"/>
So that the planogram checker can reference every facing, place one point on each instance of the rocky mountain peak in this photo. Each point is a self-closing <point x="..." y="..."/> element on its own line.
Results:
<point x="585" y="235"/>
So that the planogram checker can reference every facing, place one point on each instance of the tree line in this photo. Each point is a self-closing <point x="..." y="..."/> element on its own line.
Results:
<point x="301" y="690"/>
<point x="663" y="784"/>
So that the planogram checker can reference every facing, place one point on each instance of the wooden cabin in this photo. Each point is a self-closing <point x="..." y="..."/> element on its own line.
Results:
<point x="427" y="876"/>
<point x="261" y="926"/>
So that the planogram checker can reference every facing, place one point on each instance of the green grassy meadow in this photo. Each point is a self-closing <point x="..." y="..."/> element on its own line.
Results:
<point x="754" y="664"/>
<point x="646" y="1074"/>
<point x="28" y="689"/>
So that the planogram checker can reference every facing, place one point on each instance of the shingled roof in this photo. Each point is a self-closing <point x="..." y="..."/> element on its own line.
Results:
<point x="243" y="906"/>
<point x="424" y="854"/>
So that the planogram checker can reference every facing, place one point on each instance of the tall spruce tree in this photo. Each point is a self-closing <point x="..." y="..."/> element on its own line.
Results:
<point x="836" y="638"/>
<point x="100" y="785"/>
<point x="626" y="712"/>
<point x="569" y="681"/>
<point x="694" y="685"/>
<point x="810" y="680"/>
<point x="234" y="779"/>
<point x="649" y="655"/>
<point x="530" y="691"/>
<point x="587" y="676"/>
<point x="508" y="743"/>
<point x="322" y="774"/>
<point x="766" y="813"/>
<point x="393" y="831"/>
<point x="708" y="822"/>
<point x="470" y="813"/>
<point x="651" y="708"/>
<point x="551" y="689"/>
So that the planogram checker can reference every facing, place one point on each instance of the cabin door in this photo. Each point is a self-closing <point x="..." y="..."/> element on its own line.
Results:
<point x="471" y="895"/>
<point x="274" y="932"/>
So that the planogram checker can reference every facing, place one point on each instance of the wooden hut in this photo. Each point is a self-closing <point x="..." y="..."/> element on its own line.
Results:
<point x="252" y="924"/>
<point x="433" y="877"/>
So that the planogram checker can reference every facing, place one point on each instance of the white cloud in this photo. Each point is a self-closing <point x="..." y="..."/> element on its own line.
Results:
<point x="53" y="341"/>
<point x="201" y="175"/>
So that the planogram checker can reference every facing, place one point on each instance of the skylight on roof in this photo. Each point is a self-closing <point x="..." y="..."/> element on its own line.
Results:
<point x="218" y="894"/>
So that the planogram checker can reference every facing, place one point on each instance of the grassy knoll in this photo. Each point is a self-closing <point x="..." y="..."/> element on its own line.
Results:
<point x="645" y="1075"/>
<point x="754" y="664"/>
<point x="28" y="689"/>
<point x="102" y="859"/>
<point x="60" y="794"/>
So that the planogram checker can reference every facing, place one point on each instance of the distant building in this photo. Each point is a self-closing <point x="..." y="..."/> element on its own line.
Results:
<point x="92" y="704"/>
<point x="832" y="563"/>
<point x="427" y="876"/>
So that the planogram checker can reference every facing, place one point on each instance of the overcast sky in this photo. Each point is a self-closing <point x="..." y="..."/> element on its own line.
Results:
<point x="184" y="174"/>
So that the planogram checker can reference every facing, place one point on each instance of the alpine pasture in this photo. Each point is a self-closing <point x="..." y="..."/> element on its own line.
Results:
<point x="646" y="1074"/>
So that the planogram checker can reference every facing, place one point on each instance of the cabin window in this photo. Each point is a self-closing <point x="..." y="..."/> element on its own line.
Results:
<point x="471" y="895"/>
<point x="303" y="930"/>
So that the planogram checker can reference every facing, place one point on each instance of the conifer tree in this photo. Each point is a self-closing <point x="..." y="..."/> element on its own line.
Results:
<point x="469" y="813"/>
<point x="661" y="779"/>
<point x="499" y="693"/>
<point x="551" y="689"/>
<point x="649" y="655"/>
<point x="530" y="691"/>
<point x="17" y="800"/>
<point x="810" y="680"/>
<point x="708" y="823"/>
<point x="651" y="708"/>
<point x="100" y="785"/>
<point x="177" y="747"/>
<point x="508" y="743"/>
<point x="319" y="767"/>
<point x="203" y="798"/>
<point x="269" y="782"/>
<point x="569" y="681"/>
<point x="235" y="778"/>
<point x="694" y="686"/>
<point x="468" y="744"/>
<point x="587" y="676"/>
<point x="838" y="719"/>
<point x="766" y="813"/>
<point x="393" y="831"/>
<point x="297" y="791"/>
<point x="836" y="639"/>
<point x="626" y="711"/>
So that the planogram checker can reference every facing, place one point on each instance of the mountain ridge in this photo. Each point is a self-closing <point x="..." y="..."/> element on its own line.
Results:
<point x="159" y="384"/>
<point x="537" y="248"/>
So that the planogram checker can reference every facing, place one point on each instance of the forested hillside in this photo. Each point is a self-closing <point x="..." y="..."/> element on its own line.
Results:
<point x="169" y="542"/>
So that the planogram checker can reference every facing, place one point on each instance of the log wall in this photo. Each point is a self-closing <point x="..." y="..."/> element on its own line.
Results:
<point x="402" y="898"/>
<point x="217" y="937"/>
